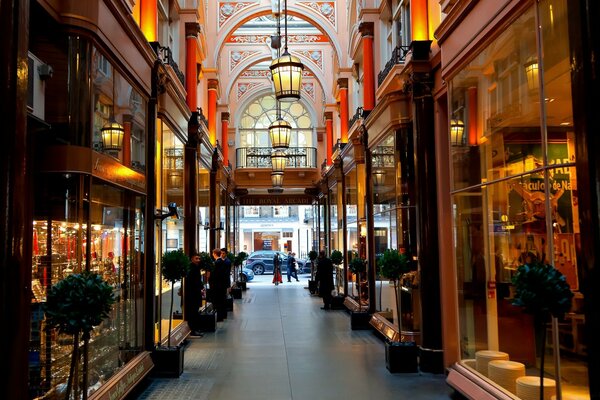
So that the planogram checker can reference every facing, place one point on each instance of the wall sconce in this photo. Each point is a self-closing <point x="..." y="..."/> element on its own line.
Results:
<point x="277" y="179"/>
<point x="379" y="177"/>
<point x="531" y="73"/>
<point x="278" y="160"/>
<point x="457" y="131"/>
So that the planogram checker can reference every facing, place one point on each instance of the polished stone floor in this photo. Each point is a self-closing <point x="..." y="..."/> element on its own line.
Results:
<point x="279" y="344"/>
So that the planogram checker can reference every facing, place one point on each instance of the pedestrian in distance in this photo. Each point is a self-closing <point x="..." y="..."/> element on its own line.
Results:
<point x="277" y="279"/>
<point x="291" y="267"/>
<point x="325" y="279"/>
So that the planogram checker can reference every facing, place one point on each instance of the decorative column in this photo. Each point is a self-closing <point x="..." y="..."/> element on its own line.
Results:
<point x="431" y="354"/>
<point x="16" y="205"/>
<point x="472" y="116"/>
<point x="421" y="45"/>
<point x="127" y="140"/>
<point x="192" y="29"/>
<point x="213" y="86"/>
<point x="344" y="117"/>
<point x="329" y="130"/>
<point x="149" y="19"/>
<point x="366" y="30"/>
<point x="190" y="182"/>
<point x="224" y="135"/>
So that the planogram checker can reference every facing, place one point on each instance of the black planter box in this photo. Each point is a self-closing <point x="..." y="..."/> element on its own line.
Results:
<point x="236" y="292"/>
<point x="312" y="287"/>
<point x="337" y="303"/>
<point x="401" y="357"/>
<point x="207" y="321"/>
<point x="360" y="320"/>
<point x="241" y="285"/>
<point x="229" y="303"/>
<point x="168" y="361"/>
<point x="431" y="361"/>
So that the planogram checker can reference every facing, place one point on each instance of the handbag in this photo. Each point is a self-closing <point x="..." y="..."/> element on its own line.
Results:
<point x="296" y="267"/>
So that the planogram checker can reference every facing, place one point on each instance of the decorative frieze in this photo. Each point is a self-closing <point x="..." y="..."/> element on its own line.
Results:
<point x="228" y="9"/>
<point x="236" y="57"/>
<point x="324" y="8"/>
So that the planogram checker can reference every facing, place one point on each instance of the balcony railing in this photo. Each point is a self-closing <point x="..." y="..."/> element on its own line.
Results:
<point x="260" y="157"/>
<point x="165" y="55"/>
<point x="398" y="57"/>
<point x="356" y="116"/>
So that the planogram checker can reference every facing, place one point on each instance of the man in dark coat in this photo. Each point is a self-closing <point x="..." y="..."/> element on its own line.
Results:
<point x="192" y="294"/>
<point x="325" y="279"/>
<point x="219" y="282"/>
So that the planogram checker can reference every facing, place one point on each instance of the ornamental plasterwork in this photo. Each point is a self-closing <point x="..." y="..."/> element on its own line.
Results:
<point x="254" y="39"/>
<point x="325" y="8"/>
<point x="316" y="56"/>
<point x="246" y="87"/>
<point x="236" y="57"/>
<point x="227" y="10"/>
<point x="309" y="89"/>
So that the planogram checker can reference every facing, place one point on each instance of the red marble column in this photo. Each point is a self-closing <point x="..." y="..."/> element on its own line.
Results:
<point x="344" y="117"/>
<point x="213" y="86"/>
<point x="224" y="141"/>
<point x="329" y="130"/>
<point x="192" y="30"/>
<point x="366" y="29"/>
<point x="149" y="19"/>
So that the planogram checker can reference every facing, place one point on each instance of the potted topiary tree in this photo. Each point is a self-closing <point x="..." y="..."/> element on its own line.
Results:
<point x="207" y="319"/>
<point x="337" y="259"/>
<point x="312" y="284"/>
<point x="237" y="263"/>
<point x="542" y="290"/>
<point x="359" y="319"/>
<point x="74" y="306"/>
<point x="399" y="356"/>
<point x="169" y="360"/>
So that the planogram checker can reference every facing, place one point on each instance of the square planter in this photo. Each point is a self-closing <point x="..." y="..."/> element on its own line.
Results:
<point x="241" y="285"/>
<point x="312" y="287"/>
<point x="431" y="360"/>
<point x="401" y="356"/>
<point x="168" y="361"/>
<point x="360" y="320"/>
<point x="229" y="303"/>
<point x="337" y="303"/>
<point x="207" y="321"/>
<point x="236" y="292"/>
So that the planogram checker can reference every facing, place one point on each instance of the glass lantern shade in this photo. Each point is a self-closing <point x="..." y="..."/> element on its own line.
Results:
<point x="280" y="132"/>
<point x="278" y="160"/>
<point x="531" y="73"/>
<point x="286" y="72"/>
<point x="379" y="177"/>
<point x="457" y="130"/>
<point x="112" y="136"/>
<point x="277" y="179"/>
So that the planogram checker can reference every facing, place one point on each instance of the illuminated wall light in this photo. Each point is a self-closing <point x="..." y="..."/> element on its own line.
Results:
<point x="457" y="132"/>
<point x="531" y="73"/>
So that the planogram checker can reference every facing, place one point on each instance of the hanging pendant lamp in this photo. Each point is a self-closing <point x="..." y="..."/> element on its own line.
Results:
<point x="277" y="179"/>
<point x="279" y="161"/>
<point x="286" y="71"/>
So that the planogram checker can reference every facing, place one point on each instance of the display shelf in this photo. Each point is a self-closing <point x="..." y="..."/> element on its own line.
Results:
<point x="380" y="322"/>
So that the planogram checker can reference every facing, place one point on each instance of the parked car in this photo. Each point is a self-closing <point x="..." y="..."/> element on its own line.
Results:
<point x="246" y="275"/>
<point x="262" y="262"/>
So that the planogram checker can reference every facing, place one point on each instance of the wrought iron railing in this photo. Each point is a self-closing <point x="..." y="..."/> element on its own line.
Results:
<point x="398" y="57"/>
<point x="260" y="157"/>
<point x="339" y="146"/>
<point x="359" y="114"/>
<point x="165" y="54"/>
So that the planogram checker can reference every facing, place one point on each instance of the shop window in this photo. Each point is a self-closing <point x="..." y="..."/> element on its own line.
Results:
<point x="281" y="211"/>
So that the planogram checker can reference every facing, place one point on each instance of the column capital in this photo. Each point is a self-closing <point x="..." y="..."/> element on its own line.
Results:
<point x="225" y="116"/>
<point x="192" y="29"/>
<point x="366" y="29"/>
<point x="328" y="115"/>
<point x="213" y="84"/>
<point x="342" y="83"/>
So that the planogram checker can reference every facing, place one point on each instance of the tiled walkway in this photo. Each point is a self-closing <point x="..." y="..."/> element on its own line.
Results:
<point x="279" y="344"/>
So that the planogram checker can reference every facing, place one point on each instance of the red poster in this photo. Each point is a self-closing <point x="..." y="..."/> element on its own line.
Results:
<point x="565" y="258"/>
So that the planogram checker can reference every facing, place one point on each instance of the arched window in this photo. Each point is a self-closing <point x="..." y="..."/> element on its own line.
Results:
<point x="261" y="112"/>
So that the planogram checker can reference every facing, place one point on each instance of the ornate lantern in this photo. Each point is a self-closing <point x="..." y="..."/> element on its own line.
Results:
<point x="279" y="160"/>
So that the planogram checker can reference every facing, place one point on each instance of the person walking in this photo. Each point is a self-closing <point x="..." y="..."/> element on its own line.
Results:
<point x="192" y="295"/>
<point x="325" y="279"/>
<point x="219" y="282"/>
<point x="277" y="279"/>
<point x="291" y="267"/>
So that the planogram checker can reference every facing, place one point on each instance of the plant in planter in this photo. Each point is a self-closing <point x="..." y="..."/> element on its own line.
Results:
<point x="174" y="267"/>
<point x="237" y="262"/>
<point x="358" y="266"/>
<point x="239" y="259"/>
<point x="74" y="306"/>
<point x="543" y="291"/>
<point x="393" y="265"/>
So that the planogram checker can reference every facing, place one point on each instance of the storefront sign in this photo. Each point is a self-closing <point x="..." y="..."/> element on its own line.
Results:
<point x="276" y="200"/>
<point x="124" y="381"/>
<point x="110" y="170"/>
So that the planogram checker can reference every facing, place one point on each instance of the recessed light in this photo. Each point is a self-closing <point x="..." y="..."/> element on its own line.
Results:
<point x="550" y="99"/>
<point x="565" y="123"/>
